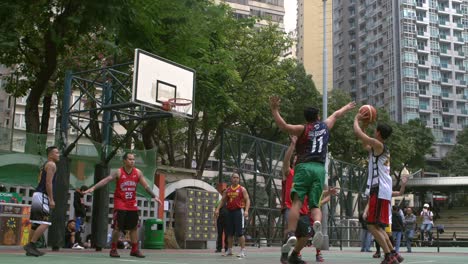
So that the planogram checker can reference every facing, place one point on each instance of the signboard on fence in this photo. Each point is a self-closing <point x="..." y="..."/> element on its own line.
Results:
<point x="10" y="198"/>
<point x="14" y="224"/>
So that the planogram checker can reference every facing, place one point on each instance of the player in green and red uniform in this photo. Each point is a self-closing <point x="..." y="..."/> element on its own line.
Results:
<point x="311" y="149"/>
<point x="238" y="204"/>
<point x="125" y="215"/>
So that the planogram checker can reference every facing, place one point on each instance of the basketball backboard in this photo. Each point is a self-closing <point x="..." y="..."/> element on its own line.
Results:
<point x="156" y="80"/>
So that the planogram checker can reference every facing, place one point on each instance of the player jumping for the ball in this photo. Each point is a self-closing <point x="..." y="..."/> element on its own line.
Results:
<point x="311" y="148"/>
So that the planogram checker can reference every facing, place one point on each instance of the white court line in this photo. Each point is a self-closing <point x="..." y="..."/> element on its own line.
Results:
<point x="427" y="261"/>
<point x="131" y="260"/>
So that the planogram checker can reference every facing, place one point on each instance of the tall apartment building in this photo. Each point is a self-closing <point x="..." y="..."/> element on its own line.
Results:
<point x="310" y="40"/>
<point x="407" y="56"/>
<point x="270" y="9"/>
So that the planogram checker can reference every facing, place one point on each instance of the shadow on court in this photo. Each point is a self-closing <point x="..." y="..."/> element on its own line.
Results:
<point x="9" y="255"/>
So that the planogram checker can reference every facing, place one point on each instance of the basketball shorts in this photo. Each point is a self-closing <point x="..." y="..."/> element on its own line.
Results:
<point x="235" y="222"/>
<point x="40" y="211"/>
<point x="308" y="181"/>
<point x="379" y="212"/>
<point x="124" y="220"/>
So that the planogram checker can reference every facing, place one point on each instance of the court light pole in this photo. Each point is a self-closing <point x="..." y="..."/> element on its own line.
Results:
<point x="325" y="213"/>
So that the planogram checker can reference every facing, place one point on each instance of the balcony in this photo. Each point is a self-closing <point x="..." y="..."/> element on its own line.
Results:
<point x="445" y="109"/>
<point x="446" y="95"/>
<point x="424" y="108"/>
<point x="443" y="9"/>
<point x="448" y="125"/>
<point x="459" y="39"/>
<point x="447" y="81"/>
<point x="447" y="140"/>
<point x="443" y="22"/>
<point x="423" y="77"/>
<point x="459" y="53"/>
<point x="460" y="82"/>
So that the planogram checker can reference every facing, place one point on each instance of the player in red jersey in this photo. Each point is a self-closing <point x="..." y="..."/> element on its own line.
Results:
<point x="238" y="204"/>
<point x="125" y="204"/>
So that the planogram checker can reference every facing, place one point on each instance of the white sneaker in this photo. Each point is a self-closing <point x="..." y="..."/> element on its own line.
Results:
<point x="242" y="254"/>
<point x="317" y="240"/>
<point x="77" y="246"/>
<point x="228" y="252"/>
<point x="290" y="243"/>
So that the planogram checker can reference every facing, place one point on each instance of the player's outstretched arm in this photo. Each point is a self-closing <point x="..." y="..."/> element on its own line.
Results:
<point x="331" y="120"/>
<point x="114" y="175"/>
<point x="403" y="181"/>
<point x="367" y="141"/>
<point x="287" y="157"/>
<point x="148" y="189"/>
<point x="282" y="125"/>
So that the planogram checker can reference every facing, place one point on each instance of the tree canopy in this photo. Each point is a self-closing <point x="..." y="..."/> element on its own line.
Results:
<point x="456" y="161"/>
<point x="238" y="65"/>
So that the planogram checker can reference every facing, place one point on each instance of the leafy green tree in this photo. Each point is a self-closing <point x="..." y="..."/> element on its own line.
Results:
<point x="343" y="143"/>
<point x="456" y="160"/>
<point x="34" y="37"/>
<point x="238" y="66"/>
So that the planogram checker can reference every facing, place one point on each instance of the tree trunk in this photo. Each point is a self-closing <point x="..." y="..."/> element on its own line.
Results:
<point x="147" y="133"/>
<point x="42" y="80"/>
<point x="206" y="149"/>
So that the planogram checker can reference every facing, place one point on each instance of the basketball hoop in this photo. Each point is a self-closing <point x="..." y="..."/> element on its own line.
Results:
<point x="180" y="105"/>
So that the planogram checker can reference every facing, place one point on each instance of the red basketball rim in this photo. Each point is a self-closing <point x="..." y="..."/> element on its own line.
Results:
<point x="179" y="101"/>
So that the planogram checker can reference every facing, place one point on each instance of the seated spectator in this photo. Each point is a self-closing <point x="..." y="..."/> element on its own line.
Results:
<point x="70" y="233"/>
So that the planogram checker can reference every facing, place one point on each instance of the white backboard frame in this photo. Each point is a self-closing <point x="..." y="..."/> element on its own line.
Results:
<point x="156" y="80"/>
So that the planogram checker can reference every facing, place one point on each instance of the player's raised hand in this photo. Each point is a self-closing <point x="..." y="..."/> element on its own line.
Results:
<point x="334" y="191"/>
<point x="275" y="102"/>
<point x="350" y="106"/>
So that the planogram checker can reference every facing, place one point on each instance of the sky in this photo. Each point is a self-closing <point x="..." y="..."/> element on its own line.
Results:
<point x="290" y="17"/>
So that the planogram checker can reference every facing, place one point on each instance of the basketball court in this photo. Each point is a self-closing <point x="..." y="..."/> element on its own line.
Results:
<point x="262" y="255"/>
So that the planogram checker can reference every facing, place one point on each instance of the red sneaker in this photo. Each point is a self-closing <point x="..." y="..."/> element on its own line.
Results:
<point x="319" y="258"/>
<point x="114" y="254"/>
<point x="398" y="257"/>
<point x="390" y="260"/>
<point x="137" y="254"/>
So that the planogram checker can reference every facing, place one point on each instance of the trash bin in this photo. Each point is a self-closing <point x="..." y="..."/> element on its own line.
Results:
<point x="154" y="234"/>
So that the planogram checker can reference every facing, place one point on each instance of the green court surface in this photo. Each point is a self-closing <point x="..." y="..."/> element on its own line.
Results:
<point x="9" y="255"/>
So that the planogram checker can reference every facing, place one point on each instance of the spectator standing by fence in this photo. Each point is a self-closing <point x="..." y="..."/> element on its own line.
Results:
<point x="410" y="226"/>
<point x="397" y="227"/>
<point x="427" y="222"/>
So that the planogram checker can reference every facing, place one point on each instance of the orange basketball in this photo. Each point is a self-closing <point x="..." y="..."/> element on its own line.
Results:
<point x="368" y="113"/>
<point x="166" y="106"/>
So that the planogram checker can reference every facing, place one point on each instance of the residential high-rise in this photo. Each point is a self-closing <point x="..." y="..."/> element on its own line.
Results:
<point x="407" y="56"/>
<point x="270" y="9"/>
<point x="310" y="39"/>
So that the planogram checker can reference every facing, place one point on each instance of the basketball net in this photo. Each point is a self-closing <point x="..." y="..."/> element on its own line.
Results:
<point x="178" y="106"/>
